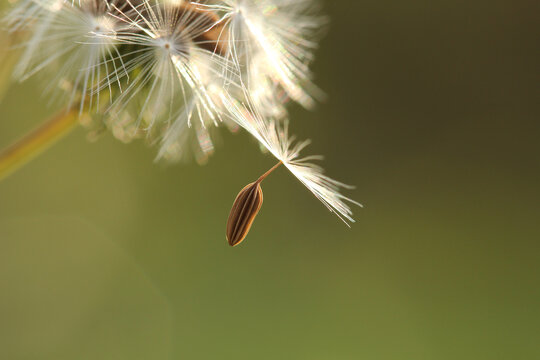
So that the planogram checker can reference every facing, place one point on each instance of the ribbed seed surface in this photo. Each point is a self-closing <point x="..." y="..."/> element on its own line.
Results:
<point x="244" y="210"/>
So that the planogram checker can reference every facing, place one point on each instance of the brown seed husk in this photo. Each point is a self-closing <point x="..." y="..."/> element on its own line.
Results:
<point x="212" y="37"/>
<point x="244" y="210"/>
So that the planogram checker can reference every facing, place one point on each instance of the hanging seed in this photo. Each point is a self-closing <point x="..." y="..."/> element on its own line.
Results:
<point x="243" y="212"/>
<point x="246" y="206"/>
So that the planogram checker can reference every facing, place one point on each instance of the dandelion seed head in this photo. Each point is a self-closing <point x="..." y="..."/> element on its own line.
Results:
<point x="174" y="71"/>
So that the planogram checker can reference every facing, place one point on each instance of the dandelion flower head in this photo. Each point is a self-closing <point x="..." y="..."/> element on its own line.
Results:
<point x="173" y="71"/>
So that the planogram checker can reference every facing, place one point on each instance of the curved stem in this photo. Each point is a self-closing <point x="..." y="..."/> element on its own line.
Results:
<point x="31" y="145"/>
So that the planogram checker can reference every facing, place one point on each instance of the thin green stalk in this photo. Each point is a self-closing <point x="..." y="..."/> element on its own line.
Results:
<point x="33" y="144"/>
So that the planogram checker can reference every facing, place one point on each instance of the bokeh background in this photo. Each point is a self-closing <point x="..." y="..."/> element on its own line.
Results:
<point x="433" y="114"/>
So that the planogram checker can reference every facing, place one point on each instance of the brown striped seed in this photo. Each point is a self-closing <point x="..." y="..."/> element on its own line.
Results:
<point x="244" y="210"/>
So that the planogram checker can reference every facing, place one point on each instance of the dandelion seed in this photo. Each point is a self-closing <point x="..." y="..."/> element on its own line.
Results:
<point x="71" y="39"/>
<point x="272" y="43"/>
<point x="275" y="138"/>
<point x="245" y="208"/>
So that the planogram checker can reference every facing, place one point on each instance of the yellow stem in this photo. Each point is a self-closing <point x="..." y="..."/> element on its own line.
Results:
<point x="33" y="144"/>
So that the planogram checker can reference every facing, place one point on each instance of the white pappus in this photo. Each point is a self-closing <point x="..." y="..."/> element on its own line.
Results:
<point x="67" y="41"/>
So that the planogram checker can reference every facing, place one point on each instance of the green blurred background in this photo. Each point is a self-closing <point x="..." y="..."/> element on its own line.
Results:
<point x="432" y="114"/>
